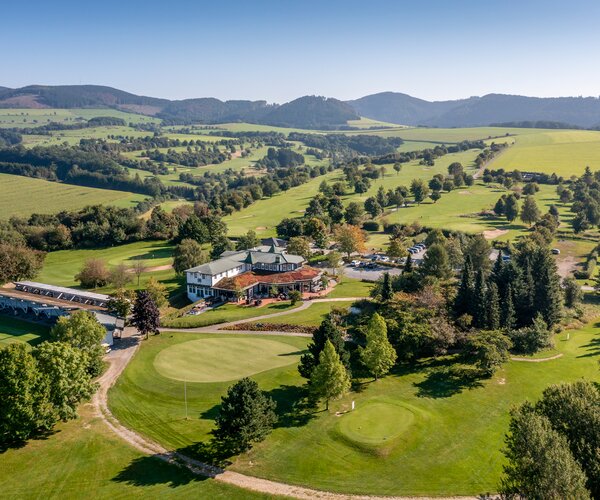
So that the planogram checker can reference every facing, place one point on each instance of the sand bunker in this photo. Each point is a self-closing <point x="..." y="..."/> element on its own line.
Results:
<point x="491" y="234"/>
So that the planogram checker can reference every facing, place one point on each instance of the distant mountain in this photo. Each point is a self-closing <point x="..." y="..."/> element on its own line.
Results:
<point x="306" y="112"/>
<point x="478" y="111"/>
<point x="314" y="112"/>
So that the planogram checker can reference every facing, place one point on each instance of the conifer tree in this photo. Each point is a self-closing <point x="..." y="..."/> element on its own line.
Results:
<point x="493" y="307"/>
<point x="480" y="300"/>
<point x="386" y="289"/>
<point x="508" y="310"/>
<point x="378" y="355"/>
<point x="329" y="380"/>
<point x="408" y="265"/>
<point x="463" y="303"/>
<point x="327" y="331"/>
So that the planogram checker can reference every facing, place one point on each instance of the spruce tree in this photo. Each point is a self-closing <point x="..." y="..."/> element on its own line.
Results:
<point x="386" y="289"/>
<point x="480" y="300"/>
<point x="508" y="319"/>
<point x="493" y="307"/>
<point x="463" y="304"/>
<point x="548" y="297"/>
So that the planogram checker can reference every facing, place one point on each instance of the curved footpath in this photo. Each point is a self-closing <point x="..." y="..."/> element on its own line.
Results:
<point x="120" y="357"/>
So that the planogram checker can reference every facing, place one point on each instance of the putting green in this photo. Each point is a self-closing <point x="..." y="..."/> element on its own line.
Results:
<point x="376" y="424"/>
<point x="223" y="359"/>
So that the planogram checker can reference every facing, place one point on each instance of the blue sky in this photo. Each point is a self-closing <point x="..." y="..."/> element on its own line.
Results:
<point x="280" y="49"/>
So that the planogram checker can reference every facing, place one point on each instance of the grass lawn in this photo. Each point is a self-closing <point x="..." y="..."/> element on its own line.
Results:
<point x="439" y="430"/>
<point x="313" y="316"/>
<point x="16" y="330"/>
<point x="351" y="288"/>
<point x="61" y="267"/>
<point x="23" y="196"/>
<point x="564" y="152"/>
<point x="225" y="313"/>
<point x="223" y="359"/>
<point x="84" y="459"/>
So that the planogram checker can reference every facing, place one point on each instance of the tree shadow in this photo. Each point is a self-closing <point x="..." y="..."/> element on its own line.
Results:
<point x="295" y="407"/>
<point x="593" y="348"/>
<point x="448" y="381"/>
<point x="151" y="470"/>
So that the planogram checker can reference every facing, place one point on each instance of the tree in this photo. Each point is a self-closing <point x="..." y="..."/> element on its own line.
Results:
<point x="120" y="276"/>
<point x="157" y="292"/>
<point x="540" y="464"/>
<point x="419" y="190"/>
<point x="317" y="230"/>
<point x="146" y="316"/>
<point x="350" y="239"/>
<point x="93" y="274"/>
<point x="396" y="249"/>
<point x="120" y="302"/>
<point x="194" y="229"/>
<point x="188" y="254"/>
<point x="463" y="303"/>
<point x="500" y="207"/>
<point x="489" y="349"/>
<point x="572" y="292"/>
<point x="329" y="380"/>
<point x="295" y="296"/>
<point x="408" y="265"/>
<point x="493" y="307"/>
<point x="220" y="245"/>
<point x="373" y="208"/>
<point x="574" y="412"/>
<point x="378" y="355"/>
<point x="386" y="288"/>
<point x="435" y="196"/>
<point x="435" y="262"/>
<point x="138" y="268"/>
<point x="455" y="168"/>
<point x="334" y="261"/>
<point x="511" y="208"/>
<point x="354" y="213"/>
<point x="249" y="240"/>
<point x="397" y="167"/>
<point x="328" y="331"/>
<point x="246" y="416"/>
<point x="68" y="380"/>
<point x="25" y="408"/>
<point x="82" y="331"/>
<point x="17" y="262"/>
<point x="299" y="245"/>
<point x="530" y="212"/>
<point x="478" y="249"/>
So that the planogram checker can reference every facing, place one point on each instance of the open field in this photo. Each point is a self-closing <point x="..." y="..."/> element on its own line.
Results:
<point x="18" y="117"/>
<point x="349" y="287"/>
<point x="564" y="152"/>
<point x="84" y="459"/>
<point x="429" y="414"/>
<point x="61" y="267"/>
<point x="225" y="313"/>
<point x="16" y="330"/>
<point x="451" y="135"/>
<point x="23" y="196"/>
<point x="223" y="359"/>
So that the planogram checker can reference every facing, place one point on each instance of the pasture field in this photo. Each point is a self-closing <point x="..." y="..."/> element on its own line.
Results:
<point x="16" y="330"/>
<point x="313" y="316"/>
<point x="564" y="152"/>
<point x="225" y="313"/>
<point x="23" y="196"/>
<point x="22" y="117"/>
<point x="72" y="137"/>
<point x="84" y="459"/>
<point x="61" y="267"/>
<point x="435" y="412"/>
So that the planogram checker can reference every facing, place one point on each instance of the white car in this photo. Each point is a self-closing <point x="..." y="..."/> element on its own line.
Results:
<point x="355" y="263"/>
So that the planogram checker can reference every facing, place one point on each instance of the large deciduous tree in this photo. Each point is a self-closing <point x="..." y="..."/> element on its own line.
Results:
<point x="378" y="356"/>
<point x="189" y="253"/>
<point x="18" y="262"/>
<point x="329" y="380"/>
<point x="146" y="316"/>
<point x="350" y="239"/>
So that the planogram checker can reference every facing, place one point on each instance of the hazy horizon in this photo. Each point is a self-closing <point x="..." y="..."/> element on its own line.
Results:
<point x="278" y="51"/>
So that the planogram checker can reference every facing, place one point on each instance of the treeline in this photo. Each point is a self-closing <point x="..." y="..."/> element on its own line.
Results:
<point x="280" y="158"/>
<point x="349" y="145"/>
<point x="9" y="138"/>
<point x="98" y="121"/>
<point x="428" y="155"/>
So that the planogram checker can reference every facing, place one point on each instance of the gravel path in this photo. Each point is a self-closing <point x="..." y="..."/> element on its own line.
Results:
<point x="536" y="360"/>
<point x="118" y="359"/>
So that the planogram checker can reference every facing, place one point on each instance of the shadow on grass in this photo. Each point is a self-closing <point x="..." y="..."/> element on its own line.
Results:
<point x="592" y="348"/>
<point x="151" y="470"/>
<point x="447" y="381"/>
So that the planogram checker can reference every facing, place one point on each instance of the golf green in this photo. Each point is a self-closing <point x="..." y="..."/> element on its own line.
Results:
<point x="223" y="359"/>
<point x="374" y="425"/>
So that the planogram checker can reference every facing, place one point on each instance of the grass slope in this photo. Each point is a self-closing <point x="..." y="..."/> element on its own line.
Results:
<point x="23" y="196"/>
<point x="451" y="447"/>
<point x="17" y="330"/>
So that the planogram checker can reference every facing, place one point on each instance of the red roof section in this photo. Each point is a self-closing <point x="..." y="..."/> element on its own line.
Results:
<point x="251" y="278"/>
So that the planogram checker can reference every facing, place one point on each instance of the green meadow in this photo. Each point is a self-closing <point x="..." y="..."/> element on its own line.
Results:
<point x="23" y="196"/>
<point x="434" y="412"/>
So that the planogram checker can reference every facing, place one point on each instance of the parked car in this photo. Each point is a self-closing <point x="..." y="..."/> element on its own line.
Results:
<point x="556" y="251"/>
<point x="355" y="263"/>
<point x="384" y="258"/>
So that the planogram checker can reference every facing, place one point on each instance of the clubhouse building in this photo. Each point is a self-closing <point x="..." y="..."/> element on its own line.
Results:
<point x="250" y="274"/>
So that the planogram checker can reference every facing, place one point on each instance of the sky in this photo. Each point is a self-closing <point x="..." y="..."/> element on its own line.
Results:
<point x="278" y="50"/>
